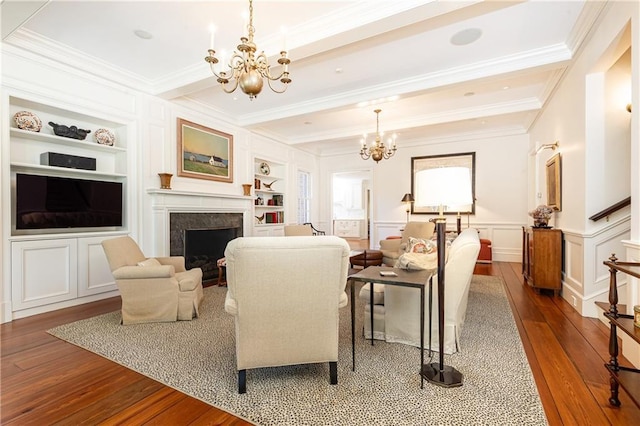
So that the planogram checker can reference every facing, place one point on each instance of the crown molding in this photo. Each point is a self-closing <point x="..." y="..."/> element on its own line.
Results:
<point x="44" y="47"/>
<point x="557" y="54"/>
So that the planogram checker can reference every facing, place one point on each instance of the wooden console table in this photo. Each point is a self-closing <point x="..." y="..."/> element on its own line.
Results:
<point x="626" y="377"/>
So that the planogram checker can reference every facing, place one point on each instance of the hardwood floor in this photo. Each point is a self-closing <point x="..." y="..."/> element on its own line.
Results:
<point x="48" y="381"/>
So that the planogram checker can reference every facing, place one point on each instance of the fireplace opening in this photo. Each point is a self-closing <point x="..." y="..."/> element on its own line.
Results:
<point x="203" y="247"/>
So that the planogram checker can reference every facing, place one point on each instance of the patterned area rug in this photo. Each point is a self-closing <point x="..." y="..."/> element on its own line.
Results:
<point x="198" y="358"/>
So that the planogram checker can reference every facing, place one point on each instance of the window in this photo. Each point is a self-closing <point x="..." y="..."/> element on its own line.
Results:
<point x="304" y="197"/>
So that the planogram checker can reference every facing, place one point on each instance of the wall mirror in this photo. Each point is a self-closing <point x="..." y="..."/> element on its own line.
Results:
<point x="467" y="159"/>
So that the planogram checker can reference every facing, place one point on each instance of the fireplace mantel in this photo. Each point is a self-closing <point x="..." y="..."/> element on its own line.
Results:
<point x="172" y="192"/>
<point x="167" y="201"/>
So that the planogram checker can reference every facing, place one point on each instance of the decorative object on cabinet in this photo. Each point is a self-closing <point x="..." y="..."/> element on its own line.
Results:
<point x="69" y="161"/>
<point x="627" y="377"/>
<point x="165" y="180"/>
<point x="26" y="120"/>
<point x="257" y="183"/>
<point x="246" y="189"/>
<point x="265" y="169"/>
<point x="541" y="216"/>
<point x="105" y="137"/>
<point x="246" y="70"/>
<point x="69" y="131"/>
<point x="260" y="218"/>
<point x="268" y="185"/>
<point x="554" y="184"/>
<point x="467" y="160"/>
<point x="542" y="258"/>
<point x="204" y="153"/>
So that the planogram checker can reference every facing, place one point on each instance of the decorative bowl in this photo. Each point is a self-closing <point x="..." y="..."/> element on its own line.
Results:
<point x="26" y="120"/>
<point x="105" y="137"/>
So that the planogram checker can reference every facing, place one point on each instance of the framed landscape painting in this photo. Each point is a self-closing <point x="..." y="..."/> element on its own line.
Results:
<point x="467" y="159"/>
<point x="204" y="153"/>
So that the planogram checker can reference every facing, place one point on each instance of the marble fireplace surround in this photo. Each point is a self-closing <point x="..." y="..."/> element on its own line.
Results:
<point x="220" y="211"/>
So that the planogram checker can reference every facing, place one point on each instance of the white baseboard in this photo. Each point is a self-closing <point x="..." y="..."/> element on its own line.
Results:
<point x="61" y="305"/>
<point x="5" y="312"/>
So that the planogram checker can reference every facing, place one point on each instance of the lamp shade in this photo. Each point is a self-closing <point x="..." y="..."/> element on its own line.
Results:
<point x="408" y="198"/>
<point x="444" y="186"/>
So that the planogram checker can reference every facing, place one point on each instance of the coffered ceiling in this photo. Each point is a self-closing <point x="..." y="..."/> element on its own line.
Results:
<point x="439" y="70"/>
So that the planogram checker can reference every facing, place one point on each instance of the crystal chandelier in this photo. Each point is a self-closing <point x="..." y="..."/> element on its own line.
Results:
<point x="377" y="151"/>
<point x="247" y="70"/>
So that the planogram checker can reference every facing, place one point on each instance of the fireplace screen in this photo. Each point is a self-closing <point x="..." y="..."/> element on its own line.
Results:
<point x="203" y="247"/>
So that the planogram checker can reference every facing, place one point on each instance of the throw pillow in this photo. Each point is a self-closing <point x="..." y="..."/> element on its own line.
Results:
<point x="150" y="262"/>
<point x="419" y="245"/>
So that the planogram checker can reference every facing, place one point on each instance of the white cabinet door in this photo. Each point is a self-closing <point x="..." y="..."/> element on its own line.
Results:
<point x="94" y="274"/>
<point x="43" y="272"/>
<point x="268" y="231"/>
<point x="347" y="228"/>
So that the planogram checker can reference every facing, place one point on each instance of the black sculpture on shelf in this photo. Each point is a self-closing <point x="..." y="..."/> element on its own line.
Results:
<point x="69" y="131"/>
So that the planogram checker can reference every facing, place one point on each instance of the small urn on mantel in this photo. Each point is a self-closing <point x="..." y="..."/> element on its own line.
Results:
<point x="165" y="180"/>
<point x="246" y="189"/>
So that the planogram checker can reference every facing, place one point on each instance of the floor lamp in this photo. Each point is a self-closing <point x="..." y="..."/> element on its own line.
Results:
<point x="444" y="186"/>
<point x="408" y="199"/>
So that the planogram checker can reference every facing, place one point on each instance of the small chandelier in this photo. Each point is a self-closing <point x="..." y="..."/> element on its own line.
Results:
<point x="246" y="69"/>
<point x="377" y="151"/>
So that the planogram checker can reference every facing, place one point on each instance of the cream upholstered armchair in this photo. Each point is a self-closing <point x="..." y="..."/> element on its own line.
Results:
<point x="285" y="294"/>
<point x="298" y="230"/>
<point x="392" y="248"/>
<point x="396" y="310"/>
<point x="152" y="289"/>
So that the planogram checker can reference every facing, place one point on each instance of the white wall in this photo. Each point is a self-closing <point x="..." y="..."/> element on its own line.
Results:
<point x="600" y="156"/>
<point x="501" y="182"/>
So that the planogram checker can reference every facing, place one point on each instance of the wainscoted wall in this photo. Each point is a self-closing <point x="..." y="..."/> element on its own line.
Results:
<point x="506" y="240"/>
<point x="586" y="278"/>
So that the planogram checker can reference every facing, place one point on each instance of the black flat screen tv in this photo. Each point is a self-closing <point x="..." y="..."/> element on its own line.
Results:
<point x="44" y="202"/>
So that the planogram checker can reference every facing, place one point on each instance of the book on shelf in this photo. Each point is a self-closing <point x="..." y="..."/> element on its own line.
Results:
<point x="274" y="217"/>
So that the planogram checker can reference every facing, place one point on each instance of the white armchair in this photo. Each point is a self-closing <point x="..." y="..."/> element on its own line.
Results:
<point x="393" y="248"/>
<point x="397" y="311"/>
<point x="285" y="294"/>
<point x="152" y="289"/>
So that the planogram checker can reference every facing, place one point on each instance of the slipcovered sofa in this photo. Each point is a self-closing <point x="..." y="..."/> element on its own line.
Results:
<point x="156" y="289"/>
<point x="285" y="294"/>
<point x="392" y="248"/>
<point x="397" y="309"/>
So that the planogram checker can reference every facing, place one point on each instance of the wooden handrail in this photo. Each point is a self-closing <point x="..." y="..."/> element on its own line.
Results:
<point x="609" y="210"/>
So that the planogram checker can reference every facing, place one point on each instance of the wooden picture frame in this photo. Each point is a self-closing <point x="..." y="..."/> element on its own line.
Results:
<point x="466" y="159"/>
<point x="204" y="153"/>
<point x="554" y="182"/>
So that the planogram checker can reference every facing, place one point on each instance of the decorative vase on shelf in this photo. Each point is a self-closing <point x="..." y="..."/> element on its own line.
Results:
<point x="165" y="180"/>
<point x="246" y="188"/>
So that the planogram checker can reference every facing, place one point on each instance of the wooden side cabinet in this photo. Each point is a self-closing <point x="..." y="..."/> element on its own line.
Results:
<point x="542" y="258"/>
